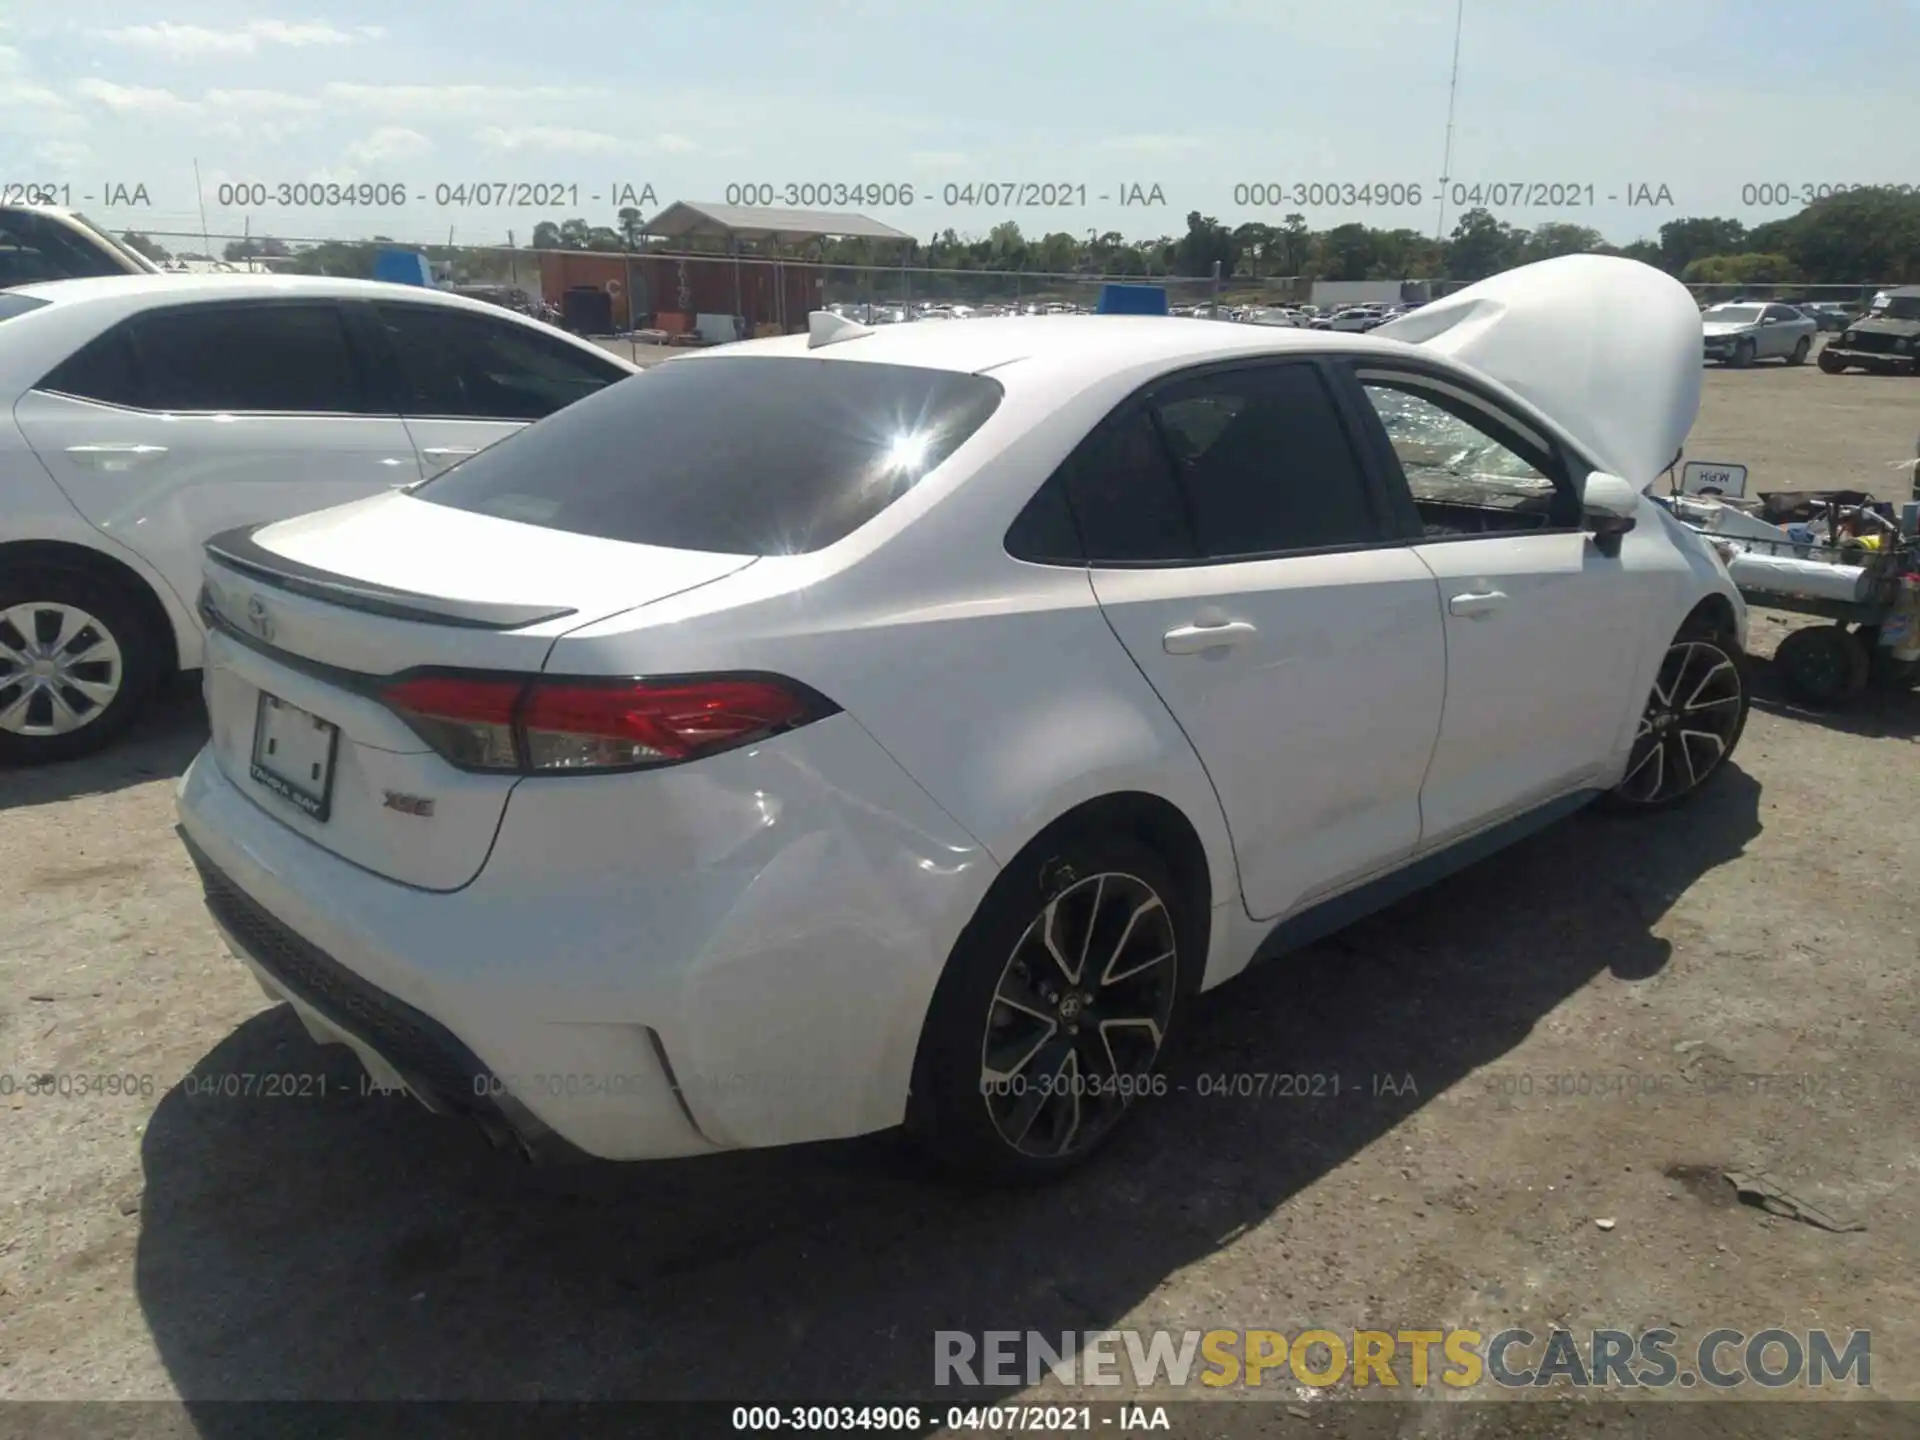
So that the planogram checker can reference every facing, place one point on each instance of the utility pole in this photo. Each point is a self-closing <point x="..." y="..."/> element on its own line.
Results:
<point x="1453" y="93"/>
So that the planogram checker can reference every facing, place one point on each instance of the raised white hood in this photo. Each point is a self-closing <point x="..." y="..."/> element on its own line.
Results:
<point x="1608" y="347"/>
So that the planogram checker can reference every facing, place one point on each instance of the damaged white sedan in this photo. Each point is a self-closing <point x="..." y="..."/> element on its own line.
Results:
<point x="829" y="733"/>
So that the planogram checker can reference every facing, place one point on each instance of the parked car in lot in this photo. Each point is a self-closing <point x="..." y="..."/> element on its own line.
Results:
<point x="902" y="725"/>
<point x="1826" y="317"/>
<point x="39" y="243"/>
<point x="1741" y="333"/>
<point x="140" y="415"/>
<point x="1884" y="342"/>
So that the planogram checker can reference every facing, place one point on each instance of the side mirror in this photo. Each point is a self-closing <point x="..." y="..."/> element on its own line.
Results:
<point x="1610" y="508"/>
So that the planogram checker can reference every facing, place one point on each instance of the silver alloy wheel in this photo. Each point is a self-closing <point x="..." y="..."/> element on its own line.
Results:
<point x="1688" y="725"/>
<point x="1079" y="1015"/>
<point x="60" y="668"/>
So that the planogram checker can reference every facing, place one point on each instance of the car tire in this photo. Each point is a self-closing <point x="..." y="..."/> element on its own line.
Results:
<point x="1801" y="347"/>
<point x="1013" y="1083"/>
<point x="1692" y="722"/>
<point x="65" y="702"/>
<point x="1742" y="355"/>
<point x="1823" y="665"/>
<point x="1831" y="363"/>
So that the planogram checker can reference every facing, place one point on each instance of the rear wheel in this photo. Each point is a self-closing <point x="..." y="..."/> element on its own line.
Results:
<point x="1800" y="349"/>
<point x="77" y="660"/>
<point x="1823" y="665"/>
<point x="1691" y="724"/>
<point x="1056" y="1006"/>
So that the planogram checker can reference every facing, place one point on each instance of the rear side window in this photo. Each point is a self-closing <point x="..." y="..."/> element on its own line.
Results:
<point x="278" y="358"/>
<point x="12" y="305"/>
<point x="456" y="365"/>
<point x="1265" y="462"/>
<point x="744" y="456"/>
<point x="101" y="370"/>
<point x="1121" y="485"/>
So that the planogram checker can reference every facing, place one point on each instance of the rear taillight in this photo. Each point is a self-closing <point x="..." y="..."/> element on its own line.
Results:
<point x="543" y="726"/>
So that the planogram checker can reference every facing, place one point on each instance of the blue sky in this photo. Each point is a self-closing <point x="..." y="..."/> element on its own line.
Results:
<point x="1703" y="97"/>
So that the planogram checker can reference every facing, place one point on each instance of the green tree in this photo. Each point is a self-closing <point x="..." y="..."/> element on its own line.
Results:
<point x="1860" y="235"/>
<point x="147" y="246"/>
<point x="1206" y="243"/>
<point x="1552" y="240"/>
<point x="1747" y="269"/>
<point x="631" y="222"/>
<point x="546" y="236"/>
<point x="1482" y="245"/>
<point x="1684" y="241"/>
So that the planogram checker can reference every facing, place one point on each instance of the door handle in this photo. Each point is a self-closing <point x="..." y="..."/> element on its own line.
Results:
<point x="1193" y="639"/>
<point x="115" y="454"/>
<point x="1475" y="604"/>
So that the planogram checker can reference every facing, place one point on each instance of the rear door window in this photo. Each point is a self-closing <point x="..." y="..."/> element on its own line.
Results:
<point x="739" y="455"/>
<point x="278" y="358"/>
<point x="456" y="365"/>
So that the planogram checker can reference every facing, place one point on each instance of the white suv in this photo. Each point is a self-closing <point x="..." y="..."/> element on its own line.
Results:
<point x="141" y="414"/>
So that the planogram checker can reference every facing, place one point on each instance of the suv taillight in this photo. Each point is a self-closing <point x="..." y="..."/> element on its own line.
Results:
<point x="540" y="726"/>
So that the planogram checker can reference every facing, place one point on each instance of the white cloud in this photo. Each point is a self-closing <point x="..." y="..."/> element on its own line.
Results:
<point x="64" y="154"/>
<point x="389" y="143"/>
<point x="1150" y="147"/>
<point x="939" y="160"/>
<point x="551" y="139"/>
<point x="443" y="99"/>
<point x="261" y="102"/>
<point x="192" y="42"/>
<point x="132" y="99"/>
<point x="672" y="145"/>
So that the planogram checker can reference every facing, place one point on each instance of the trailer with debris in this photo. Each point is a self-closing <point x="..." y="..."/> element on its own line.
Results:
<point x="1837" y="555"/>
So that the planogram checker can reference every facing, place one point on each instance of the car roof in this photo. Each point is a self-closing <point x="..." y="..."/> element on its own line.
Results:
<point x="1104" y="342"/>
<point x="174" y="286"/>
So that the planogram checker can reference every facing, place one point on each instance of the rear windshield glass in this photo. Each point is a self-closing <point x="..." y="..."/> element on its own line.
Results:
<point x="742" y="455"/>
<point x="12" y="305"/>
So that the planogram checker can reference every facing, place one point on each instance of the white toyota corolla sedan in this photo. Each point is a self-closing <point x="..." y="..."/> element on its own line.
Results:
<point x="827" y="733"/>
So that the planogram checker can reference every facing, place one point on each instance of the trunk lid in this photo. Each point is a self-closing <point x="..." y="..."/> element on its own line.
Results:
<point x="1607" y="347"/>
<point x="307" y="617"/>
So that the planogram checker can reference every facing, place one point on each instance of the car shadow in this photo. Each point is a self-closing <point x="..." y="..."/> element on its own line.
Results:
<point x="1878" y="713"/>
<point x="353" y="1247"/>
<point x="160" y="743"/>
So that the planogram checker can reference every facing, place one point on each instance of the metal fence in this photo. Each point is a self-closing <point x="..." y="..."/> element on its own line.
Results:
<point x="739" y="283"/>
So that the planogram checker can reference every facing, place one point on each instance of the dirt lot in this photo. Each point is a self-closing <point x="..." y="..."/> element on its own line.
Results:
<point x="1571" y="1032"/>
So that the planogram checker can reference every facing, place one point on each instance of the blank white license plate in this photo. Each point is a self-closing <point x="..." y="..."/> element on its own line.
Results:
<point x="293" y="754"/>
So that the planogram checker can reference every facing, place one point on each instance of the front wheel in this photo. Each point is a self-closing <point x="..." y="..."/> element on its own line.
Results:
<point x="1743" y="355"/>
<point x="1692" y="721"/>
<point x="1830" y="363"/>
<point x="1056" y="1007"/>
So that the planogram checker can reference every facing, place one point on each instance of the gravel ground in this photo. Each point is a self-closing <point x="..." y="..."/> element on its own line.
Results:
<point x="163" y="1244"/>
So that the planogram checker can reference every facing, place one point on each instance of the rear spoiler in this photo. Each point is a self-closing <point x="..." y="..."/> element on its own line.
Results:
<point x="237" y="550"/>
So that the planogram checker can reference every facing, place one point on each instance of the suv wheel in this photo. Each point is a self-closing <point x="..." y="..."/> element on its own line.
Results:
<point x="1057" y="1005"/>
<point x="77" y="659"/>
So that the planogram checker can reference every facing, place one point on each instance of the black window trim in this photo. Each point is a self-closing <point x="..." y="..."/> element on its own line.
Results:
<point x="127" y="329"/>
<point x="1518" y="425"/>
<point x="1378" y="497"/>
<point x="366" y="321"/>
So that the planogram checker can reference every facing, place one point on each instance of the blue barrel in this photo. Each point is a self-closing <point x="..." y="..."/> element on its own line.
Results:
<point x="403" y="267"/>
<point x="1133" y="300"/>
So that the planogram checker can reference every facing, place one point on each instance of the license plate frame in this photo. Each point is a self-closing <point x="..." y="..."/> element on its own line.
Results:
<point x="300" y="741"/>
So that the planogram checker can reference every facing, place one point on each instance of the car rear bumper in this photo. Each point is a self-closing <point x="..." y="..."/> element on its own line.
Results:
<point x="735" y="953"/>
